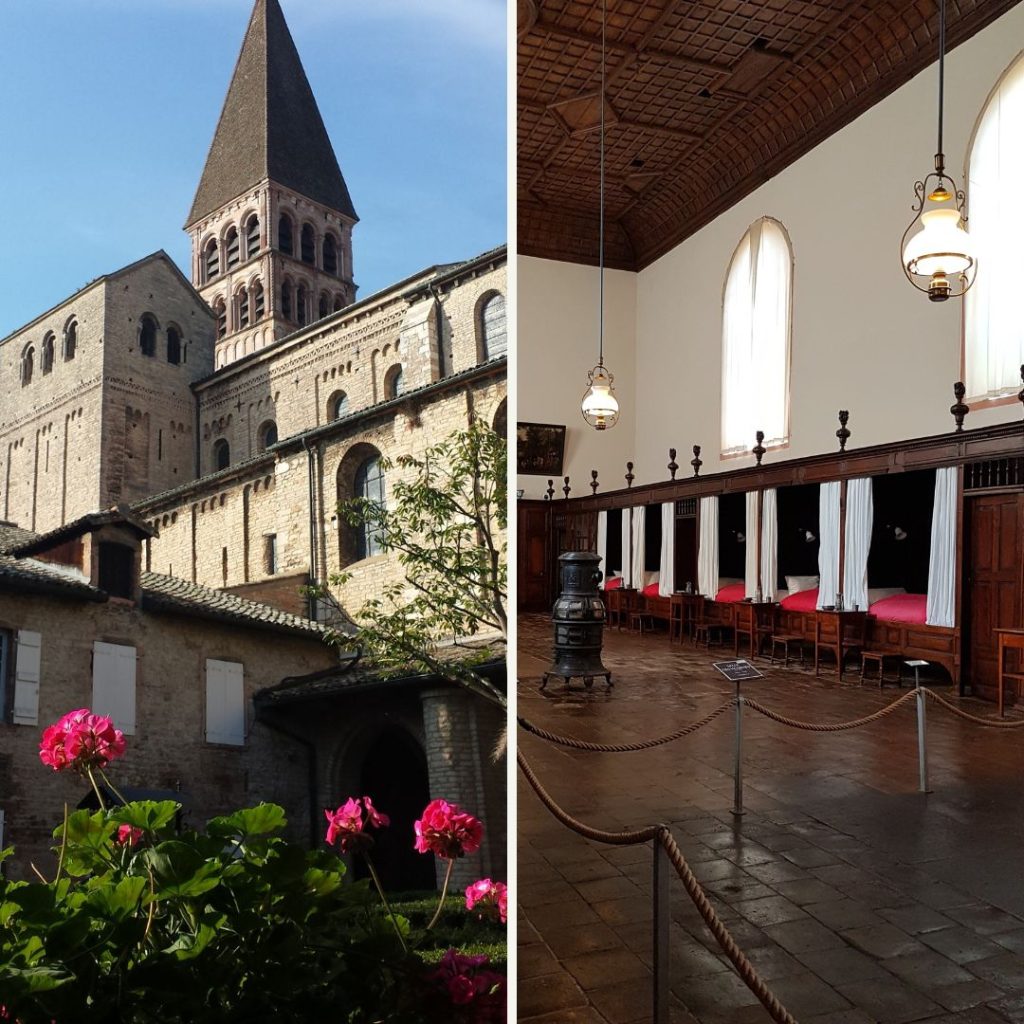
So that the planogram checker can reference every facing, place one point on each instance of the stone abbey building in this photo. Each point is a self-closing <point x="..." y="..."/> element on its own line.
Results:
<point x="230" y="412"/>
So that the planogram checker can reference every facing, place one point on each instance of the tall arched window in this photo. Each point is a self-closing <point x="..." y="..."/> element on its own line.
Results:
<point x="266" y="435"/>
<point x="232" y="246"/>
<point x="220" y="311"/>
<point x="70" y="340"/>
<point x="211" y="259"/>
<point x="301" y="306"/>
<point x="308" y="242"/>
<point x="325" y="305"/>
<point x="173" y="345"/>
<point x="221" y="454"/>
<point x="339" y="302"/>
<point x="257" y="302"/>
<point x="46" y="355"/>
<point x="286" y="300"/>
<point x="330" y="254"/>
<point x="993" y="328"/>
<point x="369" y="484"/>
<point x="393" y="381"/>
<point x="242" y="307"/>
<point x="285" y="235"/>
<point x="252" y="236"/>
<point x="493" y="336"/>
<point x="755" y="339"/>
<point x="147" y="335"/>
<point x="28" y="359"/>
<point x="337" y="405"/>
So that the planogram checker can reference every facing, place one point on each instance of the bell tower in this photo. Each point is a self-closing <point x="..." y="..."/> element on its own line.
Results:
<point x="271" y="223"/>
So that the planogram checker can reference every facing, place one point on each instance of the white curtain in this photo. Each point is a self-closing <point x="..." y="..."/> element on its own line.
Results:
<point x="750" y="574"/>
<point x="627" y="565"/>
<point x="667" y="569"/>
<point x="828" y="547"/>
<point x="755" y="339"/>
<point x="639" y="535"/>
<point x="860" y="518"/>
<point x="707" y="548"/>
<point x="769" y="544"/>
<point x="941" y="608"/>
<point x="602" y="542"/>
<point x="993" y="327"/>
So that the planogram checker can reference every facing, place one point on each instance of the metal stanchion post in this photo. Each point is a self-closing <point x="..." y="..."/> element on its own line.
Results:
<point x="922" y="742"/>
<point x="737" y="808"/>
<point x="662" y="910"/>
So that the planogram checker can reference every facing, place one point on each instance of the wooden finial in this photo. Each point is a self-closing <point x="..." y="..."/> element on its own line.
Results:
<point x="672" y="467"/>
<point x="696" y="460"/>
<point x="759" y="448"/>
<point x="566" y="489"/>
<point x="593" y="480"/>
<point x="843" y="433"/>
<point x="629" y="474"/>
<point x="958" y="409"/>
<point x="550" y="493"/>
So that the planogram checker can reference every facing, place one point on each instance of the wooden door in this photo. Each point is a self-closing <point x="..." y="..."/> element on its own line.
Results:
<point x="686" y="552"/>
<point x="994" y="579"/>
<point x="533" y="558"/>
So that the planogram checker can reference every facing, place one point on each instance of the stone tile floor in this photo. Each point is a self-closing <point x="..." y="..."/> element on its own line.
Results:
<point x="858" y="898"/>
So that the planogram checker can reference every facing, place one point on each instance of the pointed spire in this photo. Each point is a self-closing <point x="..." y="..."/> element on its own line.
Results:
<point x="270" y="126"/>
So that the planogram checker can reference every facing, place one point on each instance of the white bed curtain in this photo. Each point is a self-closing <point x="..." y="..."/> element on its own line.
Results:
<point x="769" y="544"/>
<point x="602" y="542"/>
<point x="707" y="548"/>
<point x="941" y="607"/>
<point x="639" y="533"/>
<point x="627" y="568"/>
<point x="750" y="574"/>
<point x="860" y="518"/>
<point x="667" y="569"/>
<point x="828" y="548"/>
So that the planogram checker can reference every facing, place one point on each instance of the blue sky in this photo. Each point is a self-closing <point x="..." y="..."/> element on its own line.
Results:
<point x="107" y="108"/>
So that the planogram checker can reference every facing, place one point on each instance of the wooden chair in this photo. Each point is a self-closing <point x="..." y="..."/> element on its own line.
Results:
<point x="785" y="641"/>
<point x="877" y="659"/>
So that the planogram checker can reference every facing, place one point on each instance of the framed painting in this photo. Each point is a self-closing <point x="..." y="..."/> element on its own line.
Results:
<point x="540" y="448"/>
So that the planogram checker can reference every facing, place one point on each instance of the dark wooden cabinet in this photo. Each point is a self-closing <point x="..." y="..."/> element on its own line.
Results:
<point x="534" y="557"/>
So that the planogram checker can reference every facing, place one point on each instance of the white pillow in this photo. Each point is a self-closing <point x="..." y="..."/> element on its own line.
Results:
<point x="794" y="584"/>
<point x="651" y="577"/>
<point x="880" y="593"/>
<point x="727" y="581"/>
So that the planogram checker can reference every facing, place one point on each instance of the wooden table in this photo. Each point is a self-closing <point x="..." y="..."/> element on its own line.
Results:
<point x="684" y="612"/>
<point x="756" y="619"/>
<point x="1009" y="640"/>
<point x="842" y="632"/>
<point x="619" y="602"/>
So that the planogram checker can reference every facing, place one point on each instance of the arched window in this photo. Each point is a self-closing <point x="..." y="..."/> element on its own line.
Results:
<point x="70" y="340"/>
<point x="286" y="300"/>
<point x="369" y="484"/>
<point x="339" y="302"/>
<point x="266" y="435"/>
<point x="493" y="336"/>
<point x="211" y="259"/>
<point x="242" y="306"/>
<point x="285" y="235"/>
<point x="755" y="339"/>
<point x="301" y="306"/>
<point x="221" y="454"/>
<point x="173" y="345"/>
<point x="330" y="254"/>
<point x="232" y="245"/>
<point x="308" y="244"/>
<point x="220" y="311"/>
<point x="337" y="405"/>
<point x="257" y="302"/>
<point x="252" y="236"/>
<point x="500" y="424"/>
<point x="46" y="354"/>
<point x="147" y="335"/>
<point x="325" y="305"/>
<point x="28" y="359"/>
<point x="993" y="330"/>
<point x="393" y="381"/>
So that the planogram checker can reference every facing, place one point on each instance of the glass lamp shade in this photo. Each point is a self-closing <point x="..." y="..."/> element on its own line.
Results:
<point x="940" y="250"/>
<point x="600" y="407"/>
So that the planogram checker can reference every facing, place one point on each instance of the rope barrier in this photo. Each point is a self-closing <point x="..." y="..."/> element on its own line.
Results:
<point x="623" y="748"/>
<point x="834" y="727"/>
<point x="661" y="833"/>
<point x="993" y="723"/>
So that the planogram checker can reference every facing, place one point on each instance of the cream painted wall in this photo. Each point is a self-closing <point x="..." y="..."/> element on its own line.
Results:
<point x="557" y="345"/>
<point x="863" y="338"/>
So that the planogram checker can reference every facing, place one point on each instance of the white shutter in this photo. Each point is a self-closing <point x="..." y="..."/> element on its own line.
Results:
<point x="225" y="702"/>
<point x="113" y="684"/>
<point x="26" y="678"/>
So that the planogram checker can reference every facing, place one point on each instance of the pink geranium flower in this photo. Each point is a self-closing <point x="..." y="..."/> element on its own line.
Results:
<point x="81" y="740"/>
<point x="128" y="835"/>
<point x="347" y="827"/>
<point x="480" y="992"/>
<point x="447" y="831"/>
<point x="488" y="898"/>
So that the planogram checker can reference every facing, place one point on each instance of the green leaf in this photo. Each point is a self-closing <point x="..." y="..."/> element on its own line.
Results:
<point x="118" y="900"/>
<point x="261" y="820"/>
<point x="149" y="815"/>
<point x="179" y="870"/>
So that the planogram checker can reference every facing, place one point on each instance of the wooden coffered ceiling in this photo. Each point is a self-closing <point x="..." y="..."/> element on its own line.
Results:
<point x="705" y="100"/>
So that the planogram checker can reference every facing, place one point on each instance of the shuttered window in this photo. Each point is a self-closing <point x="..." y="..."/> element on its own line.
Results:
<point x="113" y="684"/>
<point x="27" y="661"/>
<point x="225" y="702"/>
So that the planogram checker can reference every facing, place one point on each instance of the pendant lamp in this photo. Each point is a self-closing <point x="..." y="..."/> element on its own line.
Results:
<point x="600" y="407"/>
<point x="939" y="258"/>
